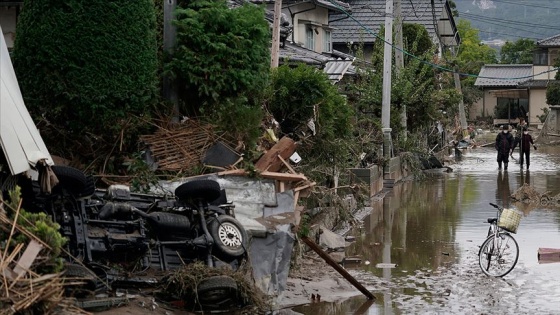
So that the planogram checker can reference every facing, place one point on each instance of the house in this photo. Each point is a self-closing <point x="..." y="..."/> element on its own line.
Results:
<point x="310" y="39"/>
<point x="9" y="11"/>
<point x="521" y="86"/>
<point x="499" y="83"/>
<point x="368" y="16"/>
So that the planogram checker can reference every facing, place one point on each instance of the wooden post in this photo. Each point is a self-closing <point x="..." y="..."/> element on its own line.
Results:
<point x="275" y="50"/>
<point x="337" y="267"/>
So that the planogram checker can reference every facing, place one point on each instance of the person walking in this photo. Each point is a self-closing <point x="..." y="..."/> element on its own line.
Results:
<point x="525" y="142"/>
<point x="504" y="144"/>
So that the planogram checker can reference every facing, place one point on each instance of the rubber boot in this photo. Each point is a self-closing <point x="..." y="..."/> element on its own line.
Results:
<point x="499" y="165"/>
<point x="505" y="166"/>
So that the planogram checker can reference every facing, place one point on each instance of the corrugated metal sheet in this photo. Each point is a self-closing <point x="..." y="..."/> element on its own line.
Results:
<point x="371" y="14"/>
<point x="19" y="138"/>
<point x="504" y="75"/>
<point x="334" y="67"/>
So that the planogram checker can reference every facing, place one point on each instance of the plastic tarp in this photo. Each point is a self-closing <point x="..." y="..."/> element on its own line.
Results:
<point x="20" y="140"/>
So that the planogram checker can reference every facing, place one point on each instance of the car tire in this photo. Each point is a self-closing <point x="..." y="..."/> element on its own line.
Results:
<point x="70" y="179"/>
<point x="218" y="292"/>
<point x="230" y="237"/>
<point x="207" y="190"/>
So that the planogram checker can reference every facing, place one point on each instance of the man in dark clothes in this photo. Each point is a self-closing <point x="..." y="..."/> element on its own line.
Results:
<point x="525" y="143"/>
<point x="504" y="144"/>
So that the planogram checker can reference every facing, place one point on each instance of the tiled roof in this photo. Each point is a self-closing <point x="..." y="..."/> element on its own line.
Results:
<point x="504" y="75"/>
<point x="553" y="41"/>
<point x="335" y="66"/>
<point x="371" y="14"/>
<point x="534" y="83"/>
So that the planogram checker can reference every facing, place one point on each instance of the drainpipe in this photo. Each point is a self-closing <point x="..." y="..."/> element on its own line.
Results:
<point x="293" y="14"/>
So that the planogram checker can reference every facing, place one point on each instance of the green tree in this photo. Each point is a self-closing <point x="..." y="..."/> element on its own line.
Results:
<point x="222" y="57"/>
<point x="518" y="52"/>
<point x="472" y="53"/>
<point x="87" y="67"/>
<point x="470" y="59"/>
<point x="553" y="89"/>
<point x="414" y="87"/>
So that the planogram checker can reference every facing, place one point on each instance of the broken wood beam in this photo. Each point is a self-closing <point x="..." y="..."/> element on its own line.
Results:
<point x="284" y="148"/>
<point x="337" y="267"/>
<point x="287" y="164"/>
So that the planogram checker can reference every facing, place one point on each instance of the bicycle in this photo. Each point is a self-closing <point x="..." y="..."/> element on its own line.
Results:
<point x="499" y="253"/>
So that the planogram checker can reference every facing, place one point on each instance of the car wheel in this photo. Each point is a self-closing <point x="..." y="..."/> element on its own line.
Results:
<point x="230" y="237"/>
<point x="207" y="190"/>
<point x="72" y="180"/>
<point x="218" y="292"/>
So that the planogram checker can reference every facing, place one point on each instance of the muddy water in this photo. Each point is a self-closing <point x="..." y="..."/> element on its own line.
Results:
<point x="420" y="243"/>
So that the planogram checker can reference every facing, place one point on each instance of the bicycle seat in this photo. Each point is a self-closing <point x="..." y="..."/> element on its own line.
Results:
<point x="492" y="220"/>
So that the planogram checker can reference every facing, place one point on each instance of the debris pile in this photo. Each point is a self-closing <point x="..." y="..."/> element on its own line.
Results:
<point x="181" y="147"/>
<point x="526" y="194"/>
<point x="183" y="284"/>
<point x="25" y="285"/>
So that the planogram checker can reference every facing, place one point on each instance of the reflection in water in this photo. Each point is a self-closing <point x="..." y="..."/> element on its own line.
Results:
<point x="431" y="231"/>
<point x="525" y="177"/>
<point x="503" y="191"/>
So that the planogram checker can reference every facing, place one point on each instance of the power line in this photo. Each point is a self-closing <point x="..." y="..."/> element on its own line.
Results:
<point x="481" y="17"/>
<point x="502" y="24"/>
<point x="497" y="33"/>
<point x="532" y="5"/>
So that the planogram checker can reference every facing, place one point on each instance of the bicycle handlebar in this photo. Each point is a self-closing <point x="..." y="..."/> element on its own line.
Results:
<point x="496" y="206"/>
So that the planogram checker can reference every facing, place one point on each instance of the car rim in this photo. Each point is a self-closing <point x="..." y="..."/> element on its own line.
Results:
<point x="229" y="235"/>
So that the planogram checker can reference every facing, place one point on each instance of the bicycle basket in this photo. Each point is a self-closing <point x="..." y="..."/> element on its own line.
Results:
<point x="509" y="220"/>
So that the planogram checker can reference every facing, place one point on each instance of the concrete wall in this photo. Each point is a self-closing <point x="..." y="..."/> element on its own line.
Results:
<point x="372" y="177"/>
<point x="537" y="101"/>
<point x="483" y="107"/>
<point x="319" y="17"/>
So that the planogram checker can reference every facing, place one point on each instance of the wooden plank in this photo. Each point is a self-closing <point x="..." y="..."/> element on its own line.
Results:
<point x="284" y="176"/>
<point x="28" y="257"/>
<point x="270" y="162"/>
<point x="337" y="267"/>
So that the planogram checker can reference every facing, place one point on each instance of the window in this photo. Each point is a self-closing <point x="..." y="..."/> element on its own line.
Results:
<point x="309" y="38"/>
<point x="540" y="57"/>
<point x="327" y="42"/>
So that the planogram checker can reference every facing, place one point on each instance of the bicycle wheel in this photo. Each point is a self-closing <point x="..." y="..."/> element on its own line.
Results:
<point x="498" y="257"/>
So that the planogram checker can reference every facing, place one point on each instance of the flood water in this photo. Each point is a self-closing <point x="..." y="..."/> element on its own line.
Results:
<point x="427" y="234"/>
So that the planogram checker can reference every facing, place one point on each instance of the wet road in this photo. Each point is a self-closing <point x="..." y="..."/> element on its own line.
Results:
<point x="429" y="232"/>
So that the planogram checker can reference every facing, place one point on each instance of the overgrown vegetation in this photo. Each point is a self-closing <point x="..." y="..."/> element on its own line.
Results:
<point x="183" y="284"/>
<point x="38" y="224"/>
<point x="553" y="89"/>
<point x="88" y="72"/>
<point x="310" y="109"/>
<point x="221" y="64"/>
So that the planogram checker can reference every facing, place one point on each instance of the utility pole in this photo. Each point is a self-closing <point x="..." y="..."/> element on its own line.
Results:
<point x="387" y="65"/>
<point x="399" y="59"/>
<point x="462" y="116"/>
<point x="169" y="36"/>
<point x="275" y="49"/>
